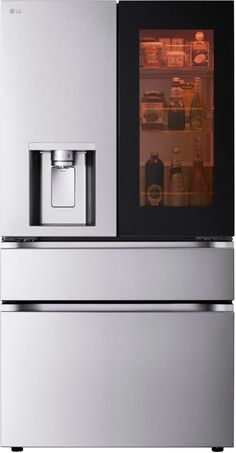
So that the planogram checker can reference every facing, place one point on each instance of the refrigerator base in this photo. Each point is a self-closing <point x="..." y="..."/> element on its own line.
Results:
<point x="215" y="449"/>
<point x="117" y="379"/>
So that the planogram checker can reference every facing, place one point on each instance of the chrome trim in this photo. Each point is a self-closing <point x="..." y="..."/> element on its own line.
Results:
<point x="117" y="307"/>
<point x="115" y="245"/>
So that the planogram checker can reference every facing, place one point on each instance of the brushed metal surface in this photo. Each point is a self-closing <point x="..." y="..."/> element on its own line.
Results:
<point x="58" y="71"/>
<point x="78" y="274"/>
<point x="117" y="379"/>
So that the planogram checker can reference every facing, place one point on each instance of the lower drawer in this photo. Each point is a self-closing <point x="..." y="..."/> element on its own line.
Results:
<point x="110" y="377"/>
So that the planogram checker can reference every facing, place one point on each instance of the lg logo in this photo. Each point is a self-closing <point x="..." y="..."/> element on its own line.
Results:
<point x="15" y="11"/>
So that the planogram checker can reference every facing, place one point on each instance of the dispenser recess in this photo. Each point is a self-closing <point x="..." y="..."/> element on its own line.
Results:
<point x="62" y="184"/>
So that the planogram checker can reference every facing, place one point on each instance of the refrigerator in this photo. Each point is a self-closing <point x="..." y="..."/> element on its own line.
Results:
<point x="117" y="219"/>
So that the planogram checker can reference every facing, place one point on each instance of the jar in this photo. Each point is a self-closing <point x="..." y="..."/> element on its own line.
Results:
<point x="153" y="110"/>
<point x="152" y="52"/>
<point x="143" y="41"/>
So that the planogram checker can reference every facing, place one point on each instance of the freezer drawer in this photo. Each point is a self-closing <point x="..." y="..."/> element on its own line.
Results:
<point x="144" y="378"/>
<point x="117" y="271"/>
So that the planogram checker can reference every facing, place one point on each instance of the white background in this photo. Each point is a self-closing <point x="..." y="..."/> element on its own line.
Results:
<point x="135" y="450"/>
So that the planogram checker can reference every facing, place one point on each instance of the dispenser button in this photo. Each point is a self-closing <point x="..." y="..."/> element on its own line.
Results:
<point x="63" y="187"/>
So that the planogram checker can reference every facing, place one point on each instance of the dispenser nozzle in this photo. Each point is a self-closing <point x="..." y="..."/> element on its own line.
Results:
<point x="62" y="158"/>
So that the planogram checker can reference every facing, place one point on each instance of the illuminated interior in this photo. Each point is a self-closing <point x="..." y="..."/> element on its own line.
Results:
<point x="176" y="118"/>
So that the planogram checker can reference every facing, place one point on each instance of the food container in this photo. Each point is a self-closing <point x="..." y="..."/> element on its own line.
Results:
<point x="152" y="52"/>
<point x="143" y="41"/>
<point x="166" y="48"/>
<point x="175" y="59"/>
<point x="153" y="110"/>
<point x="200" y="51"/>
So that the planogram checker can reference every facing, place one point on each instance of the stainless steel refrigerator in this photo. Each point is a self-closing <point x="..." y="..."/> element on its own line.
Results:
<point x="116" y="222"/>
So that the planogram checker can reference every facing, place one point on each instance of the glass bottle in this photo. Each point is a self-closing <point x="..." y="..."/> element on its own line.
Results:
<point x="176" y="113"/>
<point x="200" y="51"/>
<point x="197" y="114"/>
<point x="198" y="185"/>
<point x="176" y="189"/>
<point x="188" y="96"/>
<point x="154" y="180"/>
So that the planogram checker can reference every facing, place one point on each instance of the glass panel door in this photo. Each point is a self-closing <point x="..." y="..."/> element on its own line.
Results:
<point x="176" y="117"/>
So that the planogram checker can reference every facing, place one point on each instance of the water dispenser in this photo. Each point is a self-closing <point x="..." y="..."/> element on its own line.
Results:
<point x="62" y="184"/>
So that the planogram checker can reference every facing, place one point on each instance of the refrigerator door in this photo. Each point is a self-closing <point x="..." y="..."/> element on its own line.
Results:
<point x="108" y="271"/>
<point x="115" y="378"/>
<point x="176" y="119"/>
<point x="58" y="106"/>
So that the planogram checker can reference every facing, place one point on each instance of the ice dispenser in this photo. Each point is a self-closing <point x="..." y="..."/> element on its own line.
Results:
<point x="62" y="183"/>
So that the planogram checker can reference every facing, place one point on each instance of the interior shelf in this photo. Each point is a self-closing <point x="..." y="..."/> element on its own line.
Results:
<point x="184" y="164"/>
<point x="171" y="132"/>
<point x="153" y="73"/>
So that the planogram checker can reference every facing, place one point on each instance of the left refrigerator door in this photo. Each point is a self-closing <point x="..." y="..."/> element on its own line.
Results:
<point x="58" y="127"/>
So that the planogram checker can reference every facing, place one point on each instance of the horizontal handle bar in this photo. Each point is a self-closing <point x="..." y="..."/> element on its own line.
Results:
<point x="117" y="245"/>
<point x="116" y="307"/>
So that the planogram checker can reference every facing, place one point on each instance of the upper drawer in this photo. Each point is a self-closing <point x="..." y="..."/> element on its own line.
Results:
<point x="111" y="271"/>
